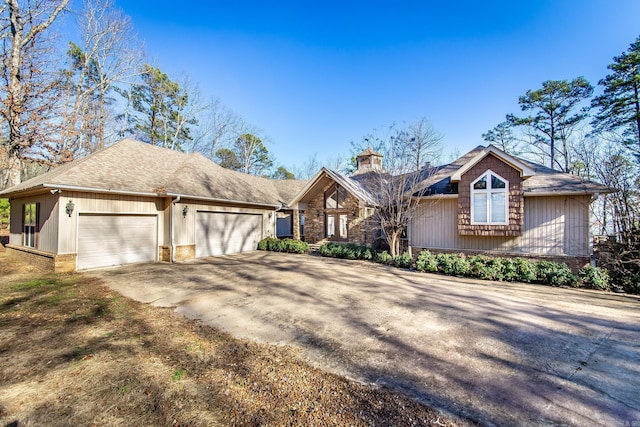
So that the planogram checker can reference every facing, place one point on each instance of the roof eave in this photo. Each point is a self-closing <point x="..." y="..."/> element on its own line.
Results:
<point x="525" y="170"/>
<point x="219" y="200"/>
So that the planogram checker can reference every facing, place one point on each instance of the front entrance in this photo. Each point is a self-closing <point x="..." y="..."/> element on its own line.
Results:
<point x="337" y="226"/>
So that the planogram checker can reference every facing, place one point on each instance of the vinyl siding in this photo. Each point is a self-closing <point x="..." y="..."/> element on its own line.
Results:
<point x="106" y="204"/>
<point x="184" y="227"/>
<point x="552" y="226"/>
<point x="48" y="220"/>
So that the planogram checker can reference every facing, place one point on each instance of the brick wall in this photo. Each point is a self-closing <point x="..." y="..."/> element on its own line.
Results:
<point x="516" y="200"/>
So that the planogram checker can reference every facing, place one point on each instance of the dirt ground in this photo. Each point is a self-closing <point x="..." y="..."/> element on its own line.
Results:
<point x="498" y="354"/>
<point x="75" y="353"/>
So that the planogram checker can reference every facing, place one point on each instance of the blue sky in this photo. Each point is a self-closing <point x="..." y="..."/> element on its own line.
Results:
<point x="316" y="75"/>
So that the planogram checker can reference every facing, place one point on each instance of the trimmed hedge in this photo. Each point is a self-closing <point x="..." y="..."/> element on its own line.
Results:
<point x="479" y="267"/>
<point x="353" y="251"/>
<point x="285" y="245"/>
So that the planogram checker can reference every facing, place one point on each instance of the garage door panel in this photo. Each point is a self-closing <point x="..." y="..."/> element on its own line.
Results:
<point x="221" y="233"/>
<point x="105" y="240"/>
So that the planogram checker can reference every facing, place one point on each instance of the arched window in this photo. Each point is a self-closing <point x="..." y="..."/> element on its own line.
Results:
<point x="489" y="200"/>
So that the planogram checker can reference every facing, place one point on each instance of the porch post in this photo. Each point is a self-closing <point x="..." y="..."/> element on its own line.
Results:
<point x="296" y="224"/>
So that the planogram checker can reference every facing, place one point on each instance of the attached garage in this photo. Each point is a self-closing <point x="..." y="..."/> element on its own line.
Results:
<point x="223" y="233"/>
<point x="106" y="240"/>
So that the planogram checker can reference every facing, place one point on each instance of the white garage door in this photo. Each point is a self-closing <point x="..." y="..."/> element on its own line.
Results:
<point x="105" y="240"/>
<point x="222" y="233"/>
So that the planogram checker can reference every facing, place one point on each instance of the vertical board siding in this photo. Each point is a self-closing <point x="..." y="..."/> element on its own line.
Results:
<point x="102" y="203"/>
<point x="185" y="229"/>
<point x="47" y="217"/>
<point x="552" y="226"/>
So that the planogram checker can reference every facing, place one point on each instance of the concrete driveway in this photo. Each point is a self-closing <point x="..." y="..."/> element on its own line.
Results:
<point x="504" y="354"/>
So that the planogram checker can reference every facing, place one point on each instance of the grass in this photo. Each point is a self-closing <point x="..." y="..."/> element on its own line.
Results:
<point x="73" y="352"/>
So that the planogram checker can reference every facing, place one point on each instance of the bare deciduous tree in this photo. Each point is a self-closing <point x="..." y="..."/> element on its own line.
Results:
<point x="27" y="94"/>
<point x="399" y="187"/>
<point x="219" y="127"/>
<point x="108" y="55"/>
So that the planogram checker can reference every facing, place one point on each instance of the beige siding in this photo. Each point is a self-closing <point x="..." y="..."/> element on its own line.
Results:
<point x="103" y="203"/>
<point x="553" y="226"/>
<point x="48" y="218"/>
<point x="184" y="227"/>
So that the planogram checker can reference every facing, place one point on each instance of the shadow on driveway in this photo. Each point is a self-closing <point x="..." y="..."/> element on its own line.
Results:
<point x="496" y="353"/>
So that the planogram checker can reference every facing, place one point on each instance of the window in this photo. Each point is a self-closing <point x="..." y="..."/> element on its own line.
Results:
<point x="331" y="226"/>
<point x="489" y="200"/>
<point x="30" y="221"/>
<point x="335" y="198"/>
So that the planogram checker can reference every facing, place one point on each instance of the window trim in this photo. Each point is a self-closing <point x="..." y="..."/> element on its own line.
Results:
<point x="36" y="226"/>
<point x="488" y="192"/>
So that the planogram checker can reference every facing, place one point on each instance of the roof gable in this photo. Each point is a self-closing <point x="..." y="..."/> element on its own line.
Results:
<point x="352" y="186"/>
<point x="519" y="165"/>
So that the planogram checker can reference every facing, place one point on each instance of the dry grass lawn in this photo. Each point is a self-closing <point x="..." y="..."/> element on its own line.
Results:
<point x="72" y="352"/>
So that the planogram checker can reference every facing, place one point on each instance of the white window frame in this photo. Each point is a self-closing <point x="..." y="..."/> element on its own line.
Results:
<point x="488" y="192"/>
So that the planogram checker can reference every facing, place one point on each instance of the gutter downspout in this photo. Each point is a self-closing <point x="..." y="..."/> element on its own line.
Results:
<point x="173" y="240"/>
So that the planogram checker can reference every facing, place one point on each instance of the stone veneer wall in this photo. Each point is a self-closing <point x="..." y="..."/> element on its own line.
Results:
<point x="185" y="252"/>
<point x="359" y="231"/>
<point x="516" y="200"/>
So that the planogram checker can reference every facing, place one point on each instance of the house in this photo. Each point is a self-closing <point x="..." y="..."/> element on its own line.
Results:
<point x="487" y="201"/>
<point x="133" y="202"/>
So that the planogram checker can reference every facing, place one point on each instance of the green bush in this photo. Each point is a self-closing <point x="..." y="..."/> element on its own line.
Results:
<point x="453" y="264"/>
<point x="526" y="270"/>
<point x="485" y="268"/>
<point x="287" y="245"/>
<point x="594" y="278"/>
<point x="403" y="261"/>
<point x="555" y="274"/>
<point x="4" y="212"/>
<point x="426" y="262"/>
<point x="384" y="258"/>
<point x="509" y="269"/>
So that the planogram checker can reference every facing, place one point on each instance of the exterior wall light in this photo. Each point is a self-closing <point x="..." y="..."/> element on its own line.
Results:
<point x="270" y="215"/>
<point x="318" y="214"/>
<point x="185" y="211"/>
<point x="69" y="208"/>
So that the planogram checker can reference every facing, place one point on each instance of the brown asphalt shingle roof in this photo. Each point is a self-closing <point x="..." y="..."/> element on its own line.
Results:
<point x="544" y="181"/>
<point x="137" y="167"/>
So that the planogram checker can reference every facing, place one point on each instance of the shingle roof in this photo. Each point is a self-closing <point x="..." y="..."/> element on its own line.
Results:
<point x="353" y="186"/>
<point x="544" y="181"/>
<point x="369" y="152"/>
<point x="137" y="167"/>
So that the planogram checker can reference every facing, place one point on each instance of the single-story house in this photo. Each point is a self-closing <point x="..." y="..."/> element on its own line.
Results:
<point x="487" y="201"/>
<point x="133" y="202"/>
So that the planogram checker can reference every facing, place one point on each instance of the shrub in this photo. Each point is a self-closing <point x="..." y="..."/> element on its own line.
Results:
<point x="594" y="278"/>
<point x="509" y="269"/>
<point x="485" y="268"/>
<point x="384" y="258"/>
<point x="555" y="274"/>
<point x="445" y="263"/>
<point x="426" y="262"/>
<point x="287" y="245"/>
<point x="403" y="261"/>
<point x="453" y="264"/>
<point x="526" y="270"/>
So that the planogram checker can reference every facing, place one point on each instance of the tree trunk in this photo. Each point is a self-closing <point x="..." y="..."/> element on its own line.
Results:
<point x="14" y="170"/>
